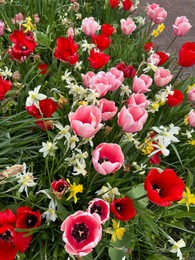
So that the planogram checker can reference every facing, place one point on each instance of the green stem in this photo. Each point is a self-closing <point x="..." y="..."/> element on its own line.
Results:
<point x="177" y="75"/>
<point x="171" y="43"/>
<point x="141" y="197"/>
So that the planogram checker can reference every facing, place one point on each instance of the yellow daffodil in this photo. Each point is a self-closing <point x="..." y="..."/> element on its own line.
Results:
<point x="192" y="142"/>
<point x="116" y="231"/>
<point x="74" y="189"/>
<point x="148" y="148"/>
<point x="161" y="27"/>
<point x="155" y="33"/>
<point x="188" y="198"/>
<point x="28" y="25"/>
<point x="186" y="120"/>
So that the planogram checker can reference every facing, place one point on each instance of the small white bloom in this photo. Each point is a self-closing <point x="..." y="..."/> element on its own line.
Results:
<point x="72" y="141"/>
<point x="64" y="131"/>
<point x="92" y="97"/>
<point x="6" y="72"/>
<point x="25" y="179"/>
<point x="78" y="65"/>
<point x="34" y="97"/>
<point x="188" y="134"/>
<point x="78" y="16"/>
<point x="67" y="77"/>
<point x="48" y="149"/>
<point x="87" y="46"/>
<point x="108" y="192"/>
<point x="139" y="168"/>
<point x="125" y="90"/>
<point x="176" y="247"/>
<point x="50" y="213"/>
<point x="140" y="20"/>
<point x="79" y="168"/>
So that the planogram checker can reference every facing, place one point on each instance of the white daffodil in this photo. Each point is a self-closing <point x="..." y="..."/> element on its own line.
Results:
<point x="66" y="77"/>
<point x="79" y="168"/>
<point x="125" y="90"/>
<point x="78" y="65"/>
<point x="166" y="134"/>
<point x="48" y="149"/>
<point x="176" y="247"/>
<point x="64" y="131"/>
<point x="25" y="179"/>
<point x="72" y="141"/>
<point x="108" y="193"/>
<point x="87" y="46"/>
<point x="50" y="213"/>
<point x="6" y="72"/>
<point x="35" y="97"/>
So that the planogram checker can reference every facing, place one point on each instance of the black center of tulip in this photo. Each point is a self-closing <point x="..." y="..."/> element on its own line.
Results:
<point x="157" y="188"/>
<point x="24" y="48"/>
<point x="118" y="207"/>
<point x="5" y="236"/>
<point x="60" y="188"/>
<point x="31" y="221"/>
<point x="80" y="232"/>
<point x="102" y="159"/>
<point x="96" y="209"/>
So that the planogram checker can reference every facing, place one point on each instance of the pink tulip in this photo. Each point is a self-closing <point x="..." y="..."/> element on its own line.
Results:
<point x="191" y="95"/>
<point x="118" y="78"/>
<point x="191" y="118"/>
<point x="162" y="77"/>
<point x="70" y="32"/>
<point x="107" y="108"/>
<point x="142" y="83"/>
<point x="127" y="26"/>
<point x="100" y="83"/>
<point x="90" y="26"/>
<point x="2" y="26"/>
<point x="107" y="158"/>
<point x="85" y="121"/>
<point x="154" y="59"/>
<point x="132" y="119"/>
<point x="156" y="13"/>
<point x="81" y="232"/>
<point x="181" y="26"/>
<point x="86" y="78"/>
<point x="138" y="99"/>
<point x="101" y="207"/>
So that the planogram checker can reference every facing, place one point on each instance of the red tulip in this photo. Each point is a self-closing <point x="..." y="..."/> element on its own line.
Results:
<point x="5" y="86"/>
<point x="123" y="209"/>
<point x="27" y="218"/>
<point x="101" y="41"/>
<point x="98" y="60"/>
<point x="101" y="207"/>
<point x="66" y="49"/>
<point x="175" y="99"/>
<point x="186" y="56"/>
<point x="47" y="108"/>
<point x="163" y="188"/>
<point x="163" y="57"/>
<point x="113" y="3"/>
<point x="59" y="187"/>
<point x="127" y="4"/>
<point x="107" y="29"/>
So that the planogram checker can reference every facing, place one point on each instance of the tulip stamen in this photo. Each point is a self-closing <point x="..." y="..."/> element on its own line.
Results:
<point x="80" y="232"/>
<point x="102" y="159"/>
<point x="5" y="236"/>
<point x="96" y="209"/>
<point x="157" y="188"/>
<point x="118" y="207"/>
<point x="31" y="221"/>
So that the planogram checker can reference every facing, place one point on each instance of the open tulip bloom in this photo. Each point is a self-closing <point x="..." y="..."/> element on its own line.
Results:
<point x="97" y="131"/>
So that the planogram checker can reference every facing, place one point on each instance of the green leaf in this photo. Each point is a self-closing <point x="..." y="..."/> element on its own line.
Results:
<point x="137" y="192"/>
<point x="158" y="257"/>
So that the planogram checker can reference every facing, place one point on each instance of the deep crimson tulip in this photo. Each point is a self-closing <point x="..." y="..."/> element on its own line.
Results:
<point x="127" y="4"/>
<point x="163" y="188"/>
<point x="59" y="187"/>
<point x="148" y="46"/>
<point x="47" y="107"/>
<point x="128" y="71"/>
<point x="5" y="86"/>
<point x="175" y="99"/>
<point x="23" y="45"/>
<point x="98" y="60"/>
<point x="101" y="207"/>
<point x="186" y="57"/>
<point x="27" y="218"/>
<point x="66" y="50"/>
<point x="107" y="29"/>
<point x="43" y="67"/>
<point x="123" y="209"/>
<point x="155" y="159"/>
<point x="101" y="41"/>
<point x="113" y="3"/>
<point x="163" y="57"/>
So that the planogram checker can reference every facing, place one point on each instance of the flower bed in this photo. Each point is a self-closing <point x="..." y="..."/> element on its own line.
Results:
<point x="96" y="132"/>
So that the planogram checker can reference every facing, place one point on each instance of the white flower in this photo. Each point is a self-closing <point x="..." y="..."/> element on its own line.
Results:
<point x="79" y="168"/>
<point x="50" y="213"/>
<point x="34" y="97"/>
<point x="48" y="149"/>
<point x="167" y="134"/>
<point x="108" y="193"/>
<point x="25" y="179"/>
<point x="92" y="96"/>
<point x="72" y="141"/>
<point x="6" y="73"/>
<point x="188" y="134"/>
<point x="64" y="131"/>
<point x="78" y="65"/>
<point x="139" y="168"/>
<point x="176" y="247"/>
<point x="140" y="20"/>
<point x="125" y="90"/>
<point x="67" y="77"/>
<point x="87" y="46"/>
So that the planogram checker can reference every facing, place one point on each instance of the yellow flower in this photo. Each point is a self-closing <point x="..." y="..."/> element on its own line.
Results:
<point x="28" y="25"/>
<point x="161" y="27"/>
<point x="82" y="103"/>
<point x="155" y="33"/>
<point x="190" y="87"/>
<point x="148" y="148"/>
<point x="188" y="198"/>
<point x="192" y="142"/>
<point x="186" y="120"/>
<point x="74" y="189"/>
<point x="116" y="232"/>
